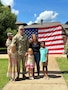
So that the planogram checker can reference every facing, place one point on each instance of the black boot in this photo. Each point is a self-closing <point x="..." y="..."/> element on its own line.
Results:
<point x="24" y="77"/>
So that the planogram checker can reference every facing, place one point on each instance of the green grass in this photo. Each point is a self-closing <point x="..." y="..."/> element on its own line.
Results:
<point x="3" y="71"/>
<point x="63" y="65"/>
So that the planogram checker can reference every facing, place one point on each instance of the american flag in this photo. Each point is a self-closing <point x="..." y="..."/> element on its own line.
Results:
<point x="51" y="35"/>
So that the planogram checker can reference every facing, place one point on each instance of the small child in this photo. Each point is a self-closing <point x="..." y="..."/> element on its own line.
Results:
<point x="12" y="68"/>
<point x="30" y="63"/>
<point x="44" y="58"/>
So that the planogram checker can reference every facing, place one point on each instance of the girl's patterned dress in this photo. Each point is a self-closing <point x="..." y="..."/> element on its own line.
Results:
<point x="30" y="63"/>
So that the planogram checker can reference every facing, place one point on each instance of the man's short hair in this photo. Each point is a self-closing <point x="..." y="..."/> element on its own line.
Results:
<point x="21" y="27"/>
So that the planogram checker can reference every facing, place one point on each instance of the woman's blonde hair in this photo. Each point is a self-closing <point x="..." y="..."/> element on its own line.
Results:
<point x="35" y="36"/>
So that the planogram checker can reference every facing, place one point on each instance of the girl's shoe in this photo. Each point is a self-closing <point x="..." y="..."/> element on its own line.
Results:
<point x="47" y="78"/>
<point x="31" y="78"/>
<point x="12" y="79"/>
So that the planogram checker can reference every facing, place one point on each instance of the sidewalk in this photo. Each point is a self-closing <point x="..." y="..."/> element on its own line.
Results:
<point x="56" y="81"/>
<point x="3" y="56"/>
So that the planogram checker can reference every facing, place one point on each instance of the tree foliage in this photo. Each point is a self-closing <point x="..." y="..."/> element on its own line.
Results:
<point x="7" y="20"/>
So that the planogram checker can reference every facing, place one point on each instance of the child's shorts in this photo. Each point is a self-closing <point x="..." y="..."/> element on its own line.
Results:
<point x="30" y="66"/>
<point x="44" y="64"/>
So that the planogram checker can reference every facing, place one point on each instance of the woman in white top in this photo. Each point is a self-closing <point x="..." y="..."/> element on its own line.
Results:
<point x="12" y="69"/>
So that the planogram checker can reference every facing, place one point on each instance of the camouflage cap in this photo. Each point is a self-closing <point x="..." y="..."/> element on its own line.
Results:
<point x="9" y="34"/>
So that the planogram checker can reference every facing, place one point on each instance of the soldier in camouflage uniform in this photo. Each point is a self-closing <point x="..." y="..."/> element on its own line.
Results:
<point x="21" y="42"/>
<point x="67" y="47"/>
<point x="8" y="41"/>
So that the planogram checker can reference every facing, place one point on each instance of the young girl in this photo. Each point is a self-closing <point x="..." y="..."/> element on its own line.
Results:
<point x="12" y="69"/>
<point x="30" y="63"/>
<point x="44" y="58"/>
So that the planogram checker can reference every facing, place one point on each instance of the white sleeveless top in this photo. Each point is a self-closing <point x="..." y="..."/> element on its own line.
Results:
<point x="30" y="59"/>
<point x="13" y="55"/>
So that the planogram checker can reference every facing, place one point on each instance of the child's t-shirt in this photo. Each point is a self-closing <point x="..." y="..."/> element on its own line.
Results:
<point x="43" y="53"/>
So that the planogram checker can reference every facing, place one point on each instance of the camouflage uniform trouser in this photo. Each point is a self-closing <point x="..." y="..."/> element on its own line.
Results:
<point x="21" y="57"/>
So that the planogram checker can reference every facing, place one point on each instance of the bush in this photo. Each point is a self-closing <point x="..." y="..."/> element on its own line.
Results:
<point x="3" y="50"/>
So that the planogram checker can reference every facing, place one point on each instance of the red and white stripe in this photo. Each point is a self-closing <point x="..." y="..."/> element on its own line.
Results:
<point x="53" y="38"/>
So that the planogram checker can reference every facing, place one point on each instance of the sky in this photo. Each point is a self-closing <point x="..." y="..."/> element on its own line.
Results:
<point x="32" y="11"/>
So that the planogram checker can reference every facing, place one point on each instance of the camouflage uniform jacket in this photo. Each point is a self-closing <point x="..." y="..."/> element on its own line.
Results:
<point x="21" y="42"/>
